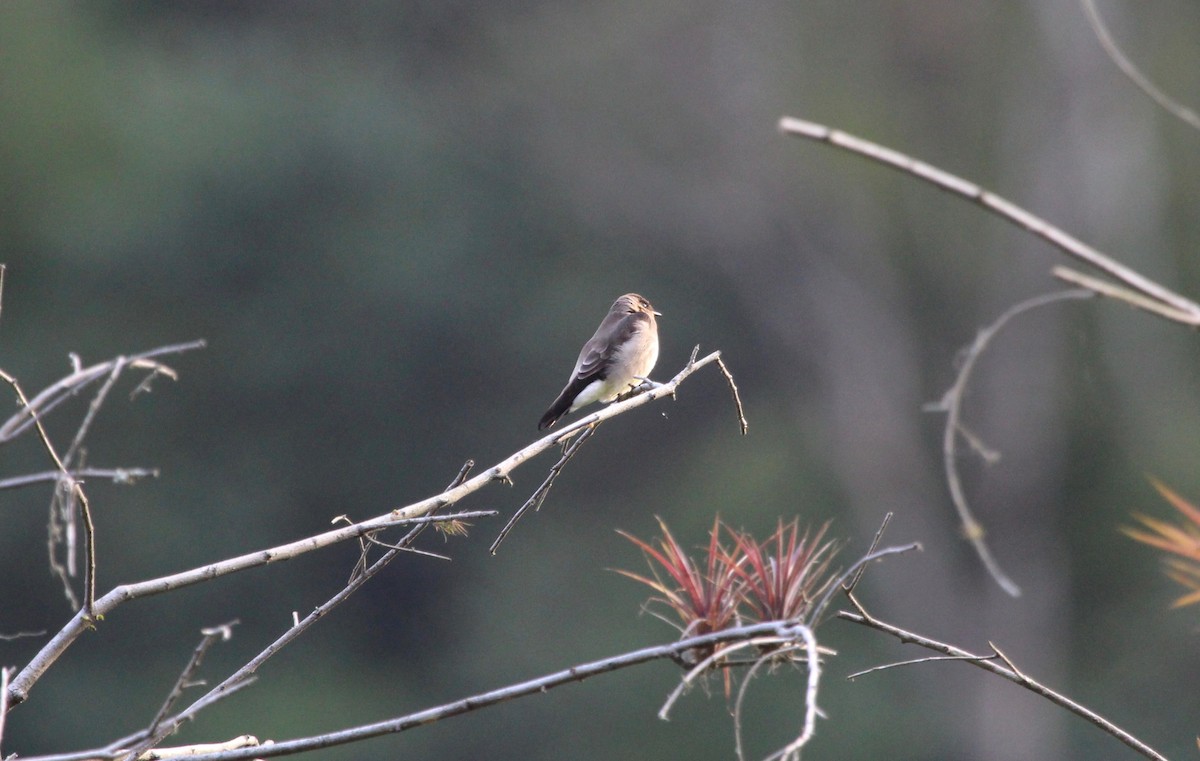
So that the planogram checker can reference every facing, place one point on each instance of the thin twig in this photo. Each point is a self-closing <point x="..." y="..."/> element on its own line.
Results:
<point x="1140" y="80"/>
<point x="1186" y="308"/>
<point x="1113" y="291"/>
<point x="89" y="549"/>
<point x="75" y="489"/>
<point x="816" y="612"/>
<point x="862" y="569"/>
<point x="1009" y="672"/>
<point x="93" y="409"/>
<point x="58" y="524"/>
<point x="951" y="404"/>
<point x="116" y="475"/>
<point x="209" y="637"/>
<point x="717" y="658"/>
<point x="733" y="389"/>
<point x="66" y="387"/>
<point x="539" y="495"/>
<point x="916" y="661"/>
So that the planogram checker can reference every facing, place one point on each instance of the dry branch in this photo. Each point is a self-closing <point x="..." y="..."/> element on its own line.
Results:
<point x="998" y="664"/>
<point x="61" y="641"/>
<point x="781" y="629"/>
<point x="1176" y="307"/>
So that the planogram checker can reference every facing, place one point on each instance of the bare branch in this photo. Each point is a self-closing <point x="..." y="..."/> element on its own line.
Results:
<point x="951" y="404"/>
<point x="209" y="637"/>
<point x="1140" y="80"/>
<point x="539" y="495"/>
<point x="811" y="711"/>
<point x="1113" y="291"/>
<point x="465" y="705"/>
<point x="862" y="569"/>
<point x="1006" y="670"/>
<point x="126" y="592"/>
<point x="187" y="751"/>
<point x="116" y="475"/>
<point x="5" y="672"/>
<point x="66" y="387"/>
<point x="1184" y="307"/>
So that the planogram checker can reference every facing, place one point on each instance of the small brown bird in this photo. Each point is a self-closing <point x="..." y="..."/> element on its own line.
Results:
<point x="617" y="359"/>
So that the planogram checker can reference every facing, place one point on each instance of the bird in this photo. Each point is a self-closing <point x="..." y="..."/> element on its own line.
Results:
<point x="614" y="361"/>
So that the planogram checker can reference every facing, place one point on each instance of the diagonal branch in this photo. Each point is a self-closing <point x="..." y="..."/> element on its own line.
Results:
<point x="539" y="495"/>
<point x="1184" y="310"/>
<point x="116" y="475"/>
<point x="462" y="706"/>
<point x="60" y="642"/>
<point x="998" y="664"/>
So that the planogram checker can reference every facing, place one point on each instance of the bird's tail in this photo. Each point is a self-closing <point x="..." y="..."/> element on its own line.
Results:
<point x="560" y="407"/>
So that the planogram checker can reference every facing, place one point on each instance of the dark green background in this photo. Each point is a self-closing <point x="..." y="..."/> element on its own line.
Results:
<point x="395" y="224"/>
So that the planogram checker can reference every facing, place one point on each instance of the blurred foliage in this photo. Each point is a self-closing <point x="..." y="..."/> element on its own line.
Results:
<point x="395" y="224"/>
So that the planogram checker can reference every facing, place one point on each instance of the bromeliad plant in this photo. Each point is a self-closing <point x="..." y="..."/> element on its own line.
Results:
<point x="1182" y="541"/>
<point x="705" y="600"/>
<point x="740" y="579"/>
<point x="787" y="574"/>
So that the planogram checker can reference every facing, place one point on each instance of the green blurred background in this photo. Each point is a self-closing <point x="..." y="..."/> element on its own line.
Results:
<point x="395" y="224"/>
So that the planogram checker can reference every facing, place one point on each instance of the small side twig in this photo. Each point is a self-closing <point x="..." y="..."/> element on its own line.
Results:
<point x="209" y="637"/>
<point x="122" y="476"/>
<point x="862" y="569"/>
<point x="539" y="495"/>
<point x="733" y="389"/>
<point x="1114" y="291"/>
<point x="66" y="387"/>
<point x="89" y="550"/>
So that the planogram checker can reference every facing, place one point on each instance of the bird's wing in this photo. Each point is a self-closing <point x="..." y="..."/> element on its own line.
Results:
<point x="598" y="353"/>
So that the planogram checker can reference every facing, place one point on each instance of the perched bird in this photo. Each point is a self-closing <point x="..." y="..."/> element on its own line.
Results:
<point x="615" y="360"/>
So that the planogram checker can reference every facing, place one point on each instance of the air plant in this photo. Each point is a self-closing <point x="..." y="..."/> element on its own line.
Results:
<point x="1182" y="540"/>
<point x="785" y="576"/>
<point x="704" y="600"/>
<point x="780" y="579"/>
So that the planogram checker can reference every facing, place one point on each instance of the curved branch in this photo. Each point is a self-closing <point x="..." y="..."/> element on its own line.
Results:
<point x="951" y="404"/>
<point x="1140" y="80"/>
